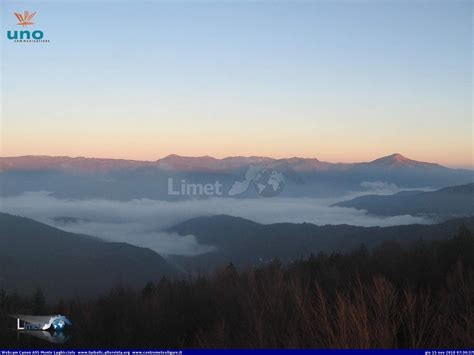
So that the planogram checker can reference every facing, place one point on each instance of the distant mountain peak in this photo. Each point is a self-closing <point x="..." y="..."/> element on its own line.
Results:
<point x="176" y="156"/>
<point x="398" y="156"/>
<point x="171" y="156"/>
<point x="398" y="160"/>
<point x="394" y="157"/>
<point x="302" y="160"/>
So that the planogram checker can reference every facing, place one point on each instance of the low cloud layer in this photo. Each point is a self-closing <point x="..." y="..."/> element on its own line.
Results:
<point x="141" y="222"/>
<point x="385" y="188"/>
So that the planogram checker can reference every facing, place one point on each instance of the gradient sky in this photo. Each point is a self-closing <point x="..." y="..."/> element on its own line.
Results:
<point x="336" y="80"/>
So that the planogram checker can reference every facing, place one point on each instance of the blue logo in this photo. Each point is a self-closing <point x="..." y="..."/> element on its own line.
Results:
<point x="51" y="328"/>
<point x="54" y="322"/>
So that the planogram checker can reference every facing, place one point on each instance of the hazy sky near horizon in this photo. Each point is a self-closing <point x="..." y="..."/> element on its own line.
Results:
<point x="336" y="80"/>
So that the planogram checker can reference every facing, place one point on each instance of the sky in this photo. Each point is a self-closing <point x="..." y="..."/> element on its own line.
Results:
<point x="336" y="80"/>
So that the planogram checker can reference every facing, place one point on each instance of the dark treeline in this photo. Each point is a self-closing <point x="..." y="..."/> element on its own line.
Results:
<point x="391" y="297"/>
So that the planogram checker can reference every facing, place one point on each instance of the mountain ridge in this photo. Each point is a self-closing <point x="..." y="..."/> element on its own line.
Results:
<point x="130" y="179"/>
<point x="174" y="161"/>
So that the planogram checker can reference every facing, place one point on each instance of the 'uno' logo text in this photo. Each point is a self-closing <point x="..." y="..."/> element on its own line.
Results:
<point x="25" y="19"/>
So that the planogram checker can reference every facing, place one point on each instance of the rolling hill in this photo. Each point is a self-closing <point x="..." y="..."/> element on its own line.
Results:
<point x="69" y="265"/>
<point x="449" y="202"/>
<point x="246" y="243"/>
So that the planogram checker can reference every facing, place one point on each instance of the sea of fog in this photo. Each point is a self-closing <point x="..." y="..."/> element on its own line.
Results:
<point x="142" y="222"/>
